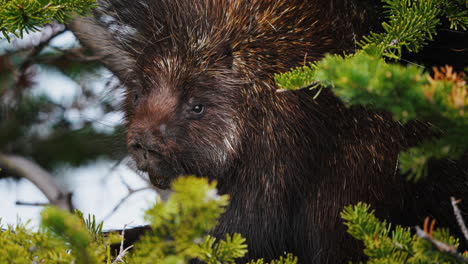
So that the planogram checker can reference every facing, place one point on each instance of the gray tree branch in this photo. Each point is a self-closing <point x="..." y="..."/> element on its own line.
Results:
<point x="458" y="216"/>
<point x="442" y="247"/>
<point x="45" y="182"/>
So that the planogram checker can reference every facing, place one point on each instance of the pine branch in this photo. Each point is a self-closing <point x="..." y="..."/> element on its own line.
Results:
<point x="20" y="16"/>
<point x="442" y="247"/>
<point x="385" y="243"/>
<point x="407" y="92"/>
<point x="411" y="24"/>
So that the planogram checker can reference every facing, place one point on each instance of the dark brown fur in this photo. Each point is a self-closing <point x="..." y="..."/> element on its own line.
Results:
<point x="289" y="163"/>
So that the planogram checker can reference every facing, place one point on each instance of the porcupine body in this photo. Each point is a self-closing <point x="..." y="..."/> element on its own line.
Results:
<point x="201" y="100"/>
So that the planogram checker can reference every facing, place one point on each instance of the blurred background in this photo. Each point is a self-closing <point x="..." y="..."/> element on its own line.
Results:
<point x="59" y="113"/>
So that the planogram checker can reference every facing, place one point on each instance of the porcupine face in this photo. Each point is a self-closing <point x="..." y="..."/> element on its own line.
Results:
<point x="183" y="117"/>
<point x="198" y="69"/>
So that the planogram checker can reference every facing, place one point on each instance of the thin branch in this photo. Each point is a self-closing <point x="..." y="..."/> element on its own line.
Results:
<point x="31" y="204"/>
<point x="122" y="251"/>
<point x="113" y="168"/>
<point x="40" y="47"/>
<point x="441" y="246"/>
<point x="123" y="238"/>
<point x="45" y="182"/>
<point x="129" y="188"/>
<point x="132" y="165"/>
<point x="31" y="59"/>
<point x="163" y="194"/>
<point x="130" y="193"/>
<point x="458" y="216"/>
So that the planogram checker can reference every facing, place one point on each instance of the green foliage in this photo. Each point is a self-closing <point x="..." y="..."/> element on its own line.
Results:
<point x="180" y="224"/>
<point x="456" y="12"/>
<point x="407" y="92"/>
<point x="85" y="245"/>
<point x="412" y="23"/>
<point x="386" y="244"/>
<point x="226" y="251"/>
<point x="297" y="78"/>
<point x="19" y="16"/>
<point x="63" y="238"/>
<point x="289" y="259"/>
<point x="179" y="233"/>
<point x="91" y="224"/>
<point x="21" y="245"/>
<point x="180" y="227"/>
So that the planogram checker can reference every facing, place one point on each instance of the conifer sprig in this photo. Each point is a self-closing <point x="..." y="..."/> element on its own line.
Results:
<point x="408" y="92"/>
<point x="179" y="233"/>
<point x="23" y="16"/>
<point x="288" y="259"/>
<point x="411" y="24"/>
<point x="456" y="12"/>
<point x="387" y="244"/>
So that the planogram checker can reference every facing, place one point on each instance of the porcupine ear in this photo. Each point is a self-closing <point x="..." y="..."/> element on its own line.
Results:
<point x="101" y="42"/>
<point x="122" y="30"/>
<point x="110" y="33"/>
<point x="104" y="34"/>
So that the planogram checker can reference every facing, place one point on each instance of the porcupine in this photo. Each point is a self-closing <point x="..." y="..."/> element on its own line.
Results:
<point x="201" y="100"/>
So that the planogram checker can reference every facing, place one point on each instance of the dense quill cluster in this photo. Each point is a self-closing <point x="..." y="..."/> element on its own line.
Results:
<point x="201" y="100"/>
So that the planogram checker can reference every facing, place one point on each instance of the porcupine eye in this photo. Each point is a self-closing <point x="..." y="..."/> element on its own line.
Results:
<point x="198" y="109"/>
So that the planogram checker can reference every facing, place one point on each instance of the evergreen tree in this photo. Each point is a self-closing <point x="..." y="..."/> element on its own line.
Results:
<point x="52" y="132"/>
<point x="179" y="233"/>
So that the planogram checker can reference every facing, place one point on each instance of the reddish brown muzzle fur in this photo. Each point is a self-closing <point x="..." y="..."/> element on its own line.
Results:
<point x="149" y="136"/>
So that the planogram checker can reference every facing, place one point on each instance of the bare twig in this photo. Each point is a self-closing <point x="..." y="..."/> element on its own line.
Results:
<point x="458" y="216"/>
<point x="122" y="251"/>
<point x="31" y="59"/>
<point x="31" y="204"/>
<point x="132" y="165"/>
<point x="441" y="246"/>
<point x="130" y="193"/>
<point x="163" y="194"/>
<point x="113" y="168"/>
<point x="27" y="169"/>
<point x="123" y="238"/>
<point x="128" y="161"/>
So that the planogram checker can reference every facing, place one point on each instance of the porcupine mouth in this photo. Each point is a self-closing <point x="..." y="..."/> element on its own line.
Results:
<point x="159" y="182"/>
<point x="160" y="168"/>
<point x="160" y="172"/>
<point x="162" y="175"/>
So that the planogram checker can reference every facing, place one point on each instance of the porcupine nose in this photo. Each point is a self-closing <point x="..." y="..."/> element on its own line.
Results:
<point x="146" y="146"/>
